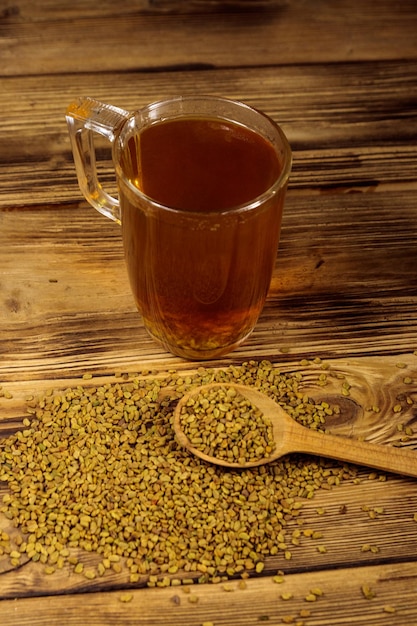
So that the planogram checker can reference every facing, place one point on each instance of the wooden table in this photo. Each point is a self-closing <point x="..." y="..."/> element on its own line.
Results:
<point x="340" y="77"/>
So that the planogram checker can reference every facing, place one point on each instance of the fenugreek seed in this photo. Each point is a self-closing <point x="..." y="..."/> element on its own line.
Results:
<point x="101" y="570"/>
<point x="126" y="597"/>
<point x="317" y="591"/>
<point x="193" y="598"/>
<point x="310" y="597"/>
<point x="367" y="592"/>
<point x="278" y="579"/>
<point x="389" y="609"/>
<point x="14" y="554"/>
<point x="287" y="596"/>
<point x="117" y="567"/>
<point x="114" y="558"/>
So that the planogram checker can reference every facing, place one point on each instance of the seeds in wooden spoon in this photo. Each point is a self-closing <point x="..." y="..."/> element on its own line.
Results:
<point x="222" y="423"/>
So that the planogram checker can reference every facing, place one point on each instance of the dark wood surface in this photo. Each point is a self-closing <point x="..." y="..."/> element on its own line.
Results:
<point x="341" y="80"/>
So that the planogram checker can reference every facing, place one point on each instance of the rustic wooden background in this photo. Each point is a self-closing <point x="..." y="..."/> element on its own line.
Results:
<point x="340" y="77"/>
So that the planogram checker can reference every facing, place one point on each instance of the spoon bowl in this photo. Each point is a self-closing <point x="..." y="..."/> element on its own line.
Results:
<point x="291" y="437"/>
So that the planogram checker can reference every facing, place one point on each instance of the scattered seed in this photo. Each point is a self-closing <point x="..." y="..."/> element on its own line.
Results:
<point x="280" y="579"/>
<point x="287" y="596"/>
<point x="193" y="598"/>
<point x="367" y="592"/>
<point x="126" y="597"/>
<point x="317" y="591"/>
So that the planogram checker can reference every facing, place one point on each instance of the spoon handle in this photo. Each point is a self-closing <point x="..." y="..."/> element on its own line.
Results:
<point x="383" y="457"/>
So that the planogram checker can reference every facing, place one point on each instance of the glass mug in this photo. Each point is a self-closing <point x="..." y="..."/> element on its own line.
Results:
<point x="201" y="186"/>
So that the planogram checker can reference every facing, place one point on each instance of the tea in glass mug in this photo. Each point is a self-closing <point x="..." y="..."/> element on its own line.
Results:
<point x="201" y="188"/>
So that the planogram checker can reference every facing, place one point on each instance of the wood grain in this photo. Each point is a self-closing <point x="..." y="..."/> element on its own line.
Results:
<point x="349" y="126"/>
<point x="67" y="305"/>
<point x="342" y="602"/>
<point x="366" y="390"/>
<point x="341" y="79"/>
<point x="37" y="38"/>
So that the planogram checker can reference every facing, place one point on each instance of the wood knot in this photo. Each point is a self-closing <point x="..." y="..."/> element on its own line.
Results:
<point x="349" y="412"/>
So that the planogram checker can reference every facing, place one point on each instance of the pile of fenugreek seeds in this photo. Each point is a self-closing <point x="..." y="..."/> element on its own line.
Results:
<point x="98" y="469"/>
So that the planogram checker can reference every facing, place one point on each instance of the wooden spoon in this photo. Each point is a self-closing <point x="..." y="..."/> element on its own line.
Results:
<point x="289" y="437"/>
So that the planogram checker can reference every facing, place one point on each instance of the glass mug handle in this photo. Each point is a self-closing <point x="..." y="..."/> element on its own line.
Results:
<point x="85" y="117"/>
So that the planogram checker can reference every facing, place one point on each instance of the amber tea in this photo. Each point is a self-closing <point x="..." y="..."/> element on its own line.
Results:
<point x="193" y="286"/>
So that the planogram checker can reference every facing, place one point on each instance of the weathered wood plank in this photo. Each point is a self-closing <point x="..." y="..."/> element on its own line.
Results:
<point x="36" y="38"/>
<point x="342" y="603"/>
<point x="344" y="283"/>
<point x="67" y="305"/>
<point x="45" y="10"/>
<point x="379" y="515"/>
<point x="349" y="125"/>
